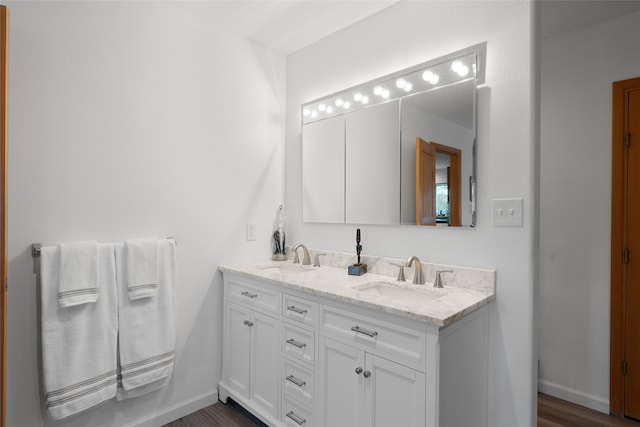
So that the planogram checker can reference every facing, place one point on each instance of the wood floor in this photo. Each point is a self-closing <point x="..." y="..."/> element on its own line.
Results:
<point x="552" y="412"/>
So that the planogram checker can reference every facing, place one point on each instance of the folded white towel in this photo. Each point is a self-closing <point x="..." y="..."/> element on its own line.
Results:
<point x="78" y="273"/>
<point x="141" y="267"/>
<point x="147" y="336"/>
<point x="79" y="344"/>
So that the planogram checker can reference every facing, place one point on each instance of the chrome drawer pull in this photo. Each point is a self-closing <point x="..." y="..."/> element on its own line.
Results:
<point x="249" y="295"/>
<point x="296" y="418"/>
<point x="296" y="309"/>
<point x="296" y="343"/>
<point x="296" y="381"/>
<point x="248" y="323"/>
<point x="359" y="330"/>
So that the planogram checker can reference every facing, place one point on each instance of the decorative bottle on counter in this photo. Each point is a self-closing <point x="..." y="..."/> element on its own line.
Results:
<point x="279" y="253"/>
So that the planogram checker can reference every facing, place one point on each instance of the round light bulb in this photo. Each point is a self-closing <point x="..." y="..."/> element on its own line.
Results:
<point x="322" y="106"/>
<point x="456" y="66"/>
<point x="346" y="105"/>
<point x="329" y="109"/>
<point x="365" y="99"/>
<point x="306" y="112"/>
<point x="463" y="71"/>
<point x="357" y="96"/>
<point x="427" y="75"/>
<point x="385" y="93"/>
<point x="408" y="86"/>
<point x="314" y="114"/>
<point x="435" y="79"/>
<point x="339" y="102"/>
<point x="377" y="90"/>
<point x="400" y="83"/>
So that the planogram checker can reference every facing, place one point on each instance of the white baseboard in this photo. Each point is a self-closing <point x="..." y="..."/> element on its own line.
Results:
<point x="588" y="400"/>
<point x="166" y="415"/>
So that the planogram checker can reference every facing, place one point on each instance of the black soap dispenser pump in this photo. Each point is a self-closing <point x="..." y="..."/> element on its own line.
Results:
<point x="359" y="268"/>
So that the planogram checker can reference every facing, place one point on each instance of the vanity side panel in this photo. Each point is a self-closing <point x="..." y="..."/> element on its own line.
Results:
<point x="464" y="371"/>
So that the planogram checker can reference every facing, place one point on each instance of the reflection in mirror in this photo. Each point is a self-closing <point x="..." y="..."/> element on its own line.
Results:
<point x="323" y="171"/>
<point x="372" y="165"/>
<point x="440" y="122"/>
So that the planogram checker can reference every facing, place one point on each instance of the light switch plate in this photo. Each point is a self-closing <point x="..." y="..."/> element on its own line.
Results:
<point x="251" y="232"/>
<point x="506" y="212"/>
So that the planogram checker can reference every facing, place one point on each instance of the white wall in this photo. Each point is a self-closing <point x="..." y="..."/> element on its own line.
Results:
<point x="406" y="34"/>
<point x="577" y="70"/>
<point x="132" y="120"/>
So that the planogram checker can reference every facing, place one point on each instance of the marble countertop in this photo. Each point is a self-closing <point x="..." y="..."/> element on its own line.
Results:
<point x="439" y="307"/>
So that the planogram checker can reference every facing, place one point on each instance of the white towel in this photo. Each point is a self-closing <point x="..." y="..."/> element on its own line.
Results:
<point x="78" y="273"/>
<point x="147" y="334"/>
<point x="79" y="344"/>
<point x="141" y="257"/>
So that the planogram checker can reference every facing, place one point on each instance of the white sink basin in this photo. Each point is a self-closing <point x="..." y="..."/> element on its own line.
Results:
<point x="401" y="291"/>
<point x="285" y="268"/>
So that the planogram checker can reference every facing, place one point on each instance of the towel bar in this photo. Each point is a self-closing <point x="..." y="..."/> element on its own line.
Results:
<point x="36" y="248"/>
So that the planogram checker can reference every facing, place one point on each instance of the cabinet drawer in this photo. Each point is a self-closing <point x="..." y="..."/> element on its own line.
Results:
<point x="297" y="381"/>
<point x="298" y="343"/>
<point x="299" y="310"/>
<point x="252" y="293"/>
<point x="396" y="342"/>
<point x="294" y="414"/>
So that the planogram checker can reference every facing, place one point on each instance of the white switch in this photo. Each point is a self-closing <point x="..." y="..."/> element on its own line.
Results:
<point x="506" y="212"/>
<point x="251" y="232"/>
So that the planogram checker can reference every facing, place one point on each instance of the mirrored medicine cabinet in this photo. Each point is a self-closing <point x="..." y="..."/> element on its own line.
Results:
<point x="399" y="149"/>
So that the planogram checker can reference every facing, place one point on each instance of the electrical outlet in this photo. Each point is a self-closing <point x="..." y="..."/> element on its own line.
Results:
<point x="506" y="212"/>
<point x="251" y="232"/>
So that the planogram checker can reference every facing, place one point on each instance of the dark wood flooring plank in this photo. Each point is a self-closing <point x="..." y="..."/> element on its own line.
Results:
<point x="554" y="412"/>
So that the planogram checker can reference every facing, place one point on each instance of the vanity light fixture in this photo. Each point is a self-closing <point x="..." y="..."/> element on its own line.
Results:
<point x="454" y="68"/>
<point x="431" y="77"/>
<point x="459" y="68"/>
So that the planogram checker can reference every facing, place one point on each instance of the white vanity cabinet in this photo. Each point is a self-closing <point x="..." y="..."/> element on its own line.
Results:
<point x="295" y="358"/>
<point x="371" y="372"/>
<point x="362" y="389"/>
<point x="299" y="337"/>
<point x="251" y="351"/>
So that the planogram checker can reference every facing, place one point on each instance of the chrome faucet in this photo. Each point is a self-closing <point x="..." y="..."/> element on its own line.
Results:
<point x="418" y="279"/>
<point x="306" y="260"/>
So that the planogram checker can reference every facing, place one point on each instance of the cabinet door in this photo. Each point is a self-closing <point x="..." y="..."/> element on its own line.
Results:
<point x="394" y="394"/>
<point x="265" y="366"/>
<point x="237" y="339"/>
<point x="341" y="399"/>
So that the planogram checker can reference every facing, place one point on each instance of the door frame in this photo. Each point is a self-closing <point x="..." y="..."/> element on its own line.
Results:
<point x="4" y="84"/>
<point x="455" y="182"/>
<point x="618" y="213"/>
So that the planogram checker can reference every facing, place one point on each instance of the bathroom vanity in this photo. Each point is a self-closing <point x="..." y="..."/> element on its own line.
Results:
<point x="312" y="346"/>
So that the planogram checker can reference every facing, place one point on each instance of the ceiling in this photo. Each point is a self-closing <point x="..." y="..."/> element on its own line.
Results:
<point x="562" y="16"/>
<point x="290" y="25"/>
<point x="283" y="25"/>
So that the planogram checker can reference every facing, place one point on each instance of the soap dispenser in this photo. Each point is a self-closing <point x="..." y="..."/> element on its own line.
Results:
<point x="279" y="252"/>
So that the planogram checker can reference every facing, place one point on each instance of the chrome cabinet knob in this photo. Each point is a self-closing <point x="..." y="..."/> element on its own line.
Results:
<point x="358" y="370"/>
<point x="367" y="374"/>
